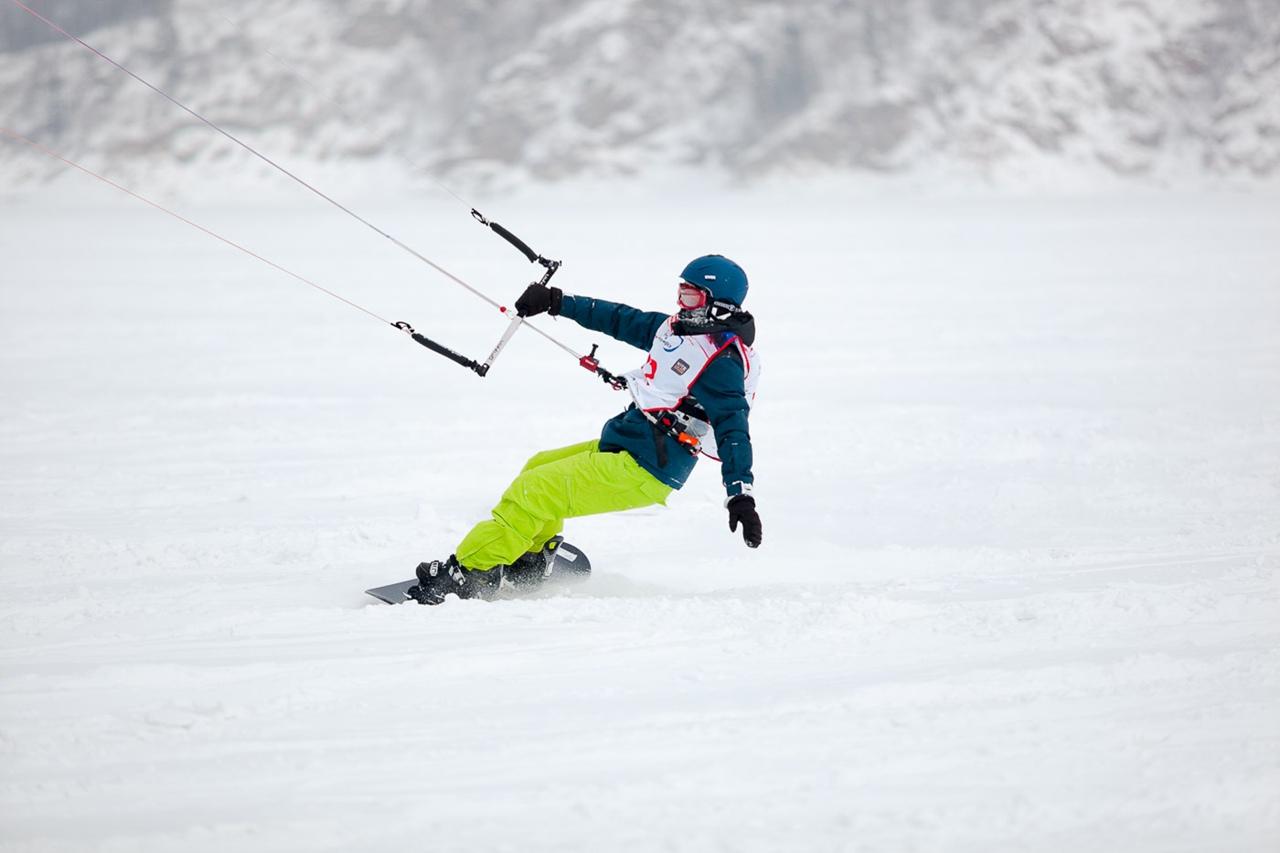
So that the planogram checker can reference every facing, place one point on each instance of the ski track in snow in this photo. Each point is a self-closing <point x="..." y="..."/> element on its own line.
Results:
<point x="1018" y="462"/>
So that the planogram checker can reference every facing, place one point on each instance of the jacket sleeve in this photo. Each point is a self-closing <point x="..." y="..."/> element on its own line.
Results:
<point x="627" y="324"/>
<point x="720" y="392"/>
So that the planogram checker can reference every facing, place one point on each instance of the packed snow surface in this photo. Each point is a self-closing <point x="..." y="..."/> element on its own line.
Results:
<point x="1018" y="462"/>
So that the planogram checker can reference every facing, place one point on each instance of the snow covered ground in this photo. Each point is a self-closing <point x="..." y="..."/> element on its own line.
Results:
<point x="1018" y="465"/>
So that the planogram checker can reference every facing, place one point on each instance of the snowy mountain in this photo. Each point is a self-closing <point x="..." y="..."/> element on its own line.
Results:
<point x="473" y="91"/>
<point x="1017" y="466"/>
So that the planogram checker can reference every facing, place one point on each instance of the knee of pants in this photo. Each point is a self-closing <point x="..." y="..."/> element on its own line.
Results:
<point x="555" y="454"/>
<point x="536" y="459"/>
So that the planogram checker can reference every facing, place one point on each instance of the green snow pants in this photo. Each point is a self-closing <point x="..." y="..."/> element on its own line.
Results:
<point x="555" y="485"/>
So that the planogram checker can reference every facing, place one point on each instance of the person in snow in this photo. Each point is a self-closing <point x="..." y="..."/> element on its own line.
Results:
<point x="698" y="382"/>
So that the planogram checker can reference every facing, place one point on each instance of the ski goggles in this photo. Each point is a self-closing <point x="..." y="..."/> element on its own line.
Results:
<point x="691" y="296"/>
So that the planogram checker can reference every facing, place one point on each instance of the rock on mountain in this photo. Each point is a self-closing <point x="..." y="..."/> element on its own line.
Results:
<point x="473" y="90"/>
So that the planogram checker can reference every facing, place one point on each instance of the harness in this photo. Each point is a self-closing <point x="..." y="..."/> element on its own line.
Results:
<point x="686" y="424"/>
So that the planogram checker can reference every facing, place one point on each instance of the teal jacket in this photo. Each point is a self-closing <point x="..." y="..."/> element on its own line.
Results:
<point x="719" y="390"/>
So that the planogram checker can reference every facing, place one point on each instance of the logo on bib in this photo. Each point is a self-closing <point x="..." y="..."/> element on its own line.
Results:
<point x="680" y="367"/>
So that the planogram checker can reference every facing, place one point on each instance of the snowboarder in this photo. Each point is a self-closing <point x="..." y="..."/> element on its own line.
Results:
<point x="695" y="390"/>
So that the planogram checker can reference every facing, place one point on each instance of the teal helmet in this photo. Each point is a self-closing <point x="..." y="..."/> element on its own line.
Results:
<point x="719" y="276"/>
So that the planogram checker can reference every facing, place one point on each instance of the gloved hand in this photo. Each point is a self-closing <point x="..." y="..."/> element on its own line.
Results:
<point x="742" y="508"/>
<point x="538" y="298"/>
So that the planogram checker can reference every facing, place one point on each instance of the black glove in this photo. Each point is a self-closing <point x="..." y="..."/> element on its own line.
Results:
<point x="742" y="508"/>
<point x="538" y="298"/>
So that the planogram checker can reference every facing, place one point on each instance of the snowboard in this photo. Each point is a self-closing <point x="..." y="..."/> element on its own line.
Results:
<point x="567" y="564"/>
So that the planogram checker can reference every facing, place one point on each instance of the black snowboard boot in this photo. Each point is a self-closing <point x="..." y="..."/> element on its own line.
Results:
<point x="438" y="578"/>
